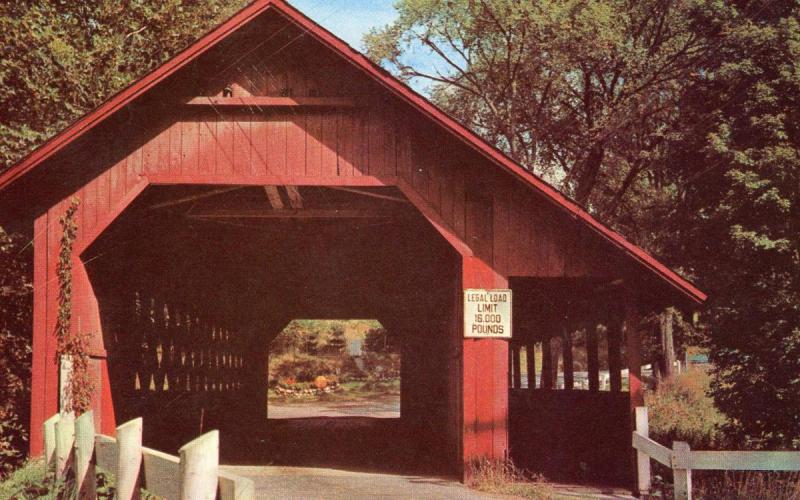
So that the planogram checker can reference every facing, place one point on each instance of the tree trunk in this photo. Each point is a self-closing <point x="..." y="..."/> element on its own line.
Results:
<point x="667" y="343"/>
<point x="589" y="172"/>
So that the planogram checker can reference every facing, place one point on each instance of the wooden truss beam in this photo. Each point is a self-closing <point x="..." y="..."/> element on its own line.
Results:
<point x="295" y="200"/>
<point x="274" y="197"/>
<point x="290" y="213"/>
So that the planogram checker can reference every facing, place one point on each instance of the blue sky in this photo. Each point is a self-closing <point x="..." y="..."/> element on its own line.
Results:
<point x="350" y="20"/>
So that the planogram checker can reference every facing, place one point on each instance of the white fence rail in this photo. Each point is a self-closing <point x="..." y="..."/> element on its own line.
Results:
<point x="682" y="460"/>
<point x="71" y="444"/>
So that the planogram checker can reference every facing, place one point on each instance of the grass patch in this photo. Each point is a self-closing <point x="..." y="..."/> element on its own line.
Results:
<point x="31" y="482"/>
<point x="503" y="478"/>
<point x="26" y="482"/>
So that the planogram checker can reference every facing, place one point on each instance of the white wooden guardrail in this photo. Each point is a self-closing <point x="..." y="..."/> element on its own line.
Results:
<point x="682" y="460"/>
<point x="72" y="444"/>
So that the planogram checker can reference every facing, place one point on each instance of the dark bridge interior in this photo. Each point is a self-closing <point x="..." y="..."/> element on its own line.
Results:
<point x="193" y="283"/>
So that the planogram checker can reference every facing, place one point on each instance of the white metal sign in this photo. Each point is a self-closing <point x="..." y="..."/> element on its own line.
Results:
<point x="487" y="314"/>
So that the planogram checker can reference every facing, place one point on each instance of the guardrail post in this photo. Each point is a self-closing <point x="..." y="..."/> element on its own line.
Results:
<point x="642" y="459"/>
<point x="65" y="437"/>
<point x="50" y="443"/>
<point x="681" y="470"/>
<point x="129" y="459"/>
<point x="84" y="449"/>
<point x="199" y="467"/>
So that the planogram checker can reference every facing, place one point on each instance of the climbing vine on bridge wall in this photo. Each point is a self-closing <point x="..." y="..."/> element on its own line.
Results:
<point x="72" y="343"/>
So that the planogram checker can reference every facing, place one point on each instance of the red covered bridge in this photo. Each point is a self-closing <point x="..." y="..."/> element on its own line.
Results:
<point x="270" y="172"/>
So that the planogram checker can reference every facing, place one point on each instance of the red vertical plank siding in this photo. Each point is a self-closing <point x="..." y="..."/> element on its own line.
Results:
<point x="87" y="208"/>
<point x="117" y="181"/>
<point x="108" y="422"/>
<point x="446" y="191"/>
<point x="258" y="139"/>
<point x="313" y="145"/>
<point x="485" y="379"/>
<point x="207" y="144"/>
<point x="376" y="142"/>
<point x="499" y="371"/>
<point x="501" y="233"/>
<point x="485" y="361"/>
<point x="296" y="145"/>
<point x="163" y="150"/>
<point x="433" y="168"/>
<point x="241" y="144"/>
<point x="54" y="232"/>
<point x="346" y="144"/>
<point x="150" y="156"/>
<point x="133" y="168"/>
<point x="533" y="243"/>
<point x="276" y="144"/>
<point x="360" y="138"/>
<point x="190" y="146"/>
<point x="175" y="144"/>
<point x="40" y="333"/>
<point x="224" y="148"/>
<point x="459" y="201"/>
<point x="104" y="194"/>
<point x="405" y="163"/>
<point x="330" y="166"/>
<point x="419" y="174"/>
<point x="390" y="141"/>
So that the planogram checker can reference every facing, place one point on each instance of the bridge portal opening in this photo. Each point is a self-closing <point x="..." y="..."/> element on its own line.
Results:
<point x="197" y="284"/>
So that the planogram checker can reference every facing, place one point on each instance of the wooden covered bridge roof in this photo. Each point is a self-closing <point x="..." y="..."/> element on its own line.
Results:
<point x="12" y="183"/>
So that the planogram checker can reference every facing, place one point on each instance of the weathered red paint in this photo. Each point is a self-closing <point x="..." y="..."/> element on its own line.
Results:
<point x="500" y="225"/>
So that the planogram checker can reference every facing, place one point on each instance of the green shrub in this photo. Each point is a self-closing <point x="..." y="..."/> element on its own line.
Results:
<point x="302" y="369"/>
<point x="681" y="410"/>
<point x="751" y="485"/>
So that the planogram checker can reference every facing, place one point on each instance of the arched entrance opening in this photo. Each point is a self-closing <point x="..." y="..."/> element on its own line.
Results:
<point x="194" y="283"/>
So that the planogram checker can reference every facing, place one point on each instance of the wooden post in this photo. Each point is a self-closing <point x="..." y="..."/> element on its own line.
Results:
<point x="84" y="450"/>
<point x="105" y="451"/>
<point x="65" y="437"/>
<point x="681" y="470"/>
<point x="530" y="362"/>
<point x="232" y="487"/>
<point x="199" y="468"/>
<point x="566" y="350"/>
<point x="50" y="442"/>
<point x="633" y="352"/>
<point x="667" y="343"/>
<point x="547" y="361"/>
<point x="517" y="362"/>
<point x="615" y="356"/>
<point x="642" y="459"/>
<point x="592" y="356"/>
<point x="129" y="459"/>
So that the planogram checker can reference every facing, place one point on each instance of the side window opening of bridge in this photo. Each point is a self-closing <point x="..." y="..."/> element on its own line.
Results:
<point x="571" y="359"/>
<point x="334" y="368"/>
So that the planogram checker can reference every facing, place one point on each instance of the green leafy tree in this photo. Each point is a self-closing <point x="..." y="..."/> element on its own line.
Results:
<point x="290" y="340"/>
<point x="738" y="171"/>
<point x="310" y="342"/>
<point x="336" y="340"/>
<point x="583" y="93"/>
<point x="60" y="59"/>
<point x="378" y="340"/>
<point x="15" y="349"/>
